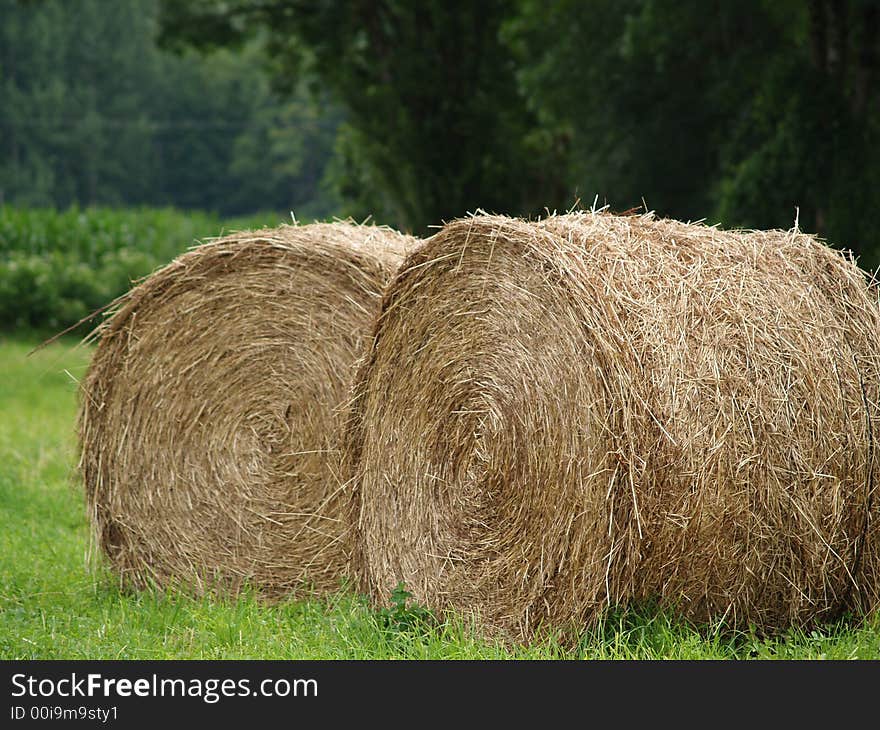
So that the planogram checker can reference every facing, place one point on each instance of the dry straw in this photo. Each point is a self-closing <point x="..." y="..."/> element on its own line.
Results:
<point x="209" y="418"/>
<point x="597" y="408"/>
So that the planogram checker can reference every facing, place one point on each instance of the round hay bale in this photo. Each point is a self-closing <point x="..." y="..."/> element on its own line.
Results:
<point x="598" y="408"/>
<point x="210" y="414"/>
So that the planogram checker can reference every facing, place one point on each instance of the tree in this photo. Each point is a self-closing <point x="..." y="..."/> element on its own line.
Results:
<point x="435" y="123"/>
<point x="744" y="112"/>
<point x="93" y="112"/>
<point x="809" y="136"/>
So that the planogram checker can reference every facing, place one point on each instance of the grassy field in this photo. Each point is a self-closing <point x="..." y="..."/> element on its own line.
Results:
<point x="55" y="604"/>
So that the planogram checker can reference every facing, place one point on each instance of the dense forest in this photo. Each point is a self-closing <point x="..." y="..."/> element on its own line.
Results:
<point x="92" y="111"/>
<point x="745" y="112"/>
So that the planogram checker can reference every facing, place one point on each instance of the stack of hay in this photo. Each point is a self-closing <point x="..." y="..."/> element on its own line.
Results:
<point x="210" y="415"/>
<point x="596" y="409"/>
<point x="553" y="417"/>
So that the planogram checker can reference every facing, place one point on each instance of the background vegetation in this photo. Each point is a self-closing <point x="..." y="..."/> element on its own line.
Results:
<point x="739" y="111"/>
<point x="92" y="112"/>
<point x="58" y="267"/>
<point x="747" y="113"/>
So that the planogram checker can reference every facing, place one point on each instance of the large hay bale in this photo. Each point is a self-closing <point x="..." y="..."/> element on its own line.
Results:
<point x="210" y="413"/>
<point x="597" y="408"/>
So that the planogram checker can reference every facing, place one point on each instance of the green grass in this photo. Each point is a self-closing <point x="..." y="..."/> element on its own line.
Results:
<point x="53" y="605"/>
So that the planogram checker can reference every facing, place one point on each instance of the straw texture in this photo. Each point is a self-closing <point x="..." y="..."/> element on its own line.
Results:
<point x="596" y="409"/>
<point x="210" y="415"/>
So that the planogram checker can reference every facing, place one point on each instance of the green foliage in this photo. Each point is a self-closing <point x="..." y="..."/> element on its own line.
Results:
<point x="809" y="137"/>
<point x="94" y="113"/>
<point x="743" y="112"/>
<point x="57" y="267"/>
<point x="403" y="616"/>
<point x="435" y="122"/>
<point x="650" y="91"/>
<point x="747" y="113"/>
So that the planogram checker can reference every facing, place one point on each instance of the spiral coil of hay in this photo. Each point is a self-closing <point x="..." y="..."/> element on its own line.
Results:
<point x="597" y="409"/>
<point x="209" y="416"/>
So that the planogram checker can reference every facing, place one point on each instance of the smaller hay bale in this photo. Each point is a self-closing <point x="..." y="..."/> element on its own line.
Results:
<point x="209" y="419"/>
<point x="598" y="409"/>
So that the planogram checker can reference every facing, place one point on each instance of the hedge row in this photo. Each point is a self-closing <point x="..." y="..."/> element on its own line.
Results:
<point x="57" y="267"/>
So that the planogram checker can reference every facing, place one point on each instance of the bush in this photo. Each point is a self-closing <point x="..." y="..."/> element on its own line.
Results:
<point x="57" y="267"/>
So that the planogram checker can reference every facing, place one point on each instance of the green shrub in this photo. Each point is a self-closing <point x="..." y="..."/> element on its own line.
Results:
<point x="57" y="267"/>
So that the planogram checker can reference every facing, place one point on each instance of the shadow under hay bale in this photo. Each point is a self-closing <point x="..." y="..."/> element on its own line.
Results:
<point x="210" y="415"/>
<point x="597" y="409"/>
